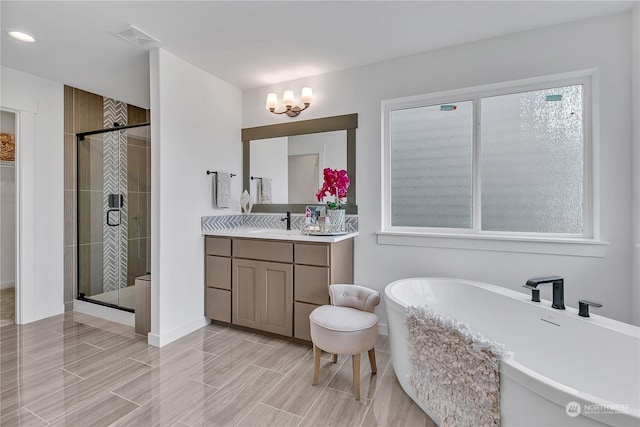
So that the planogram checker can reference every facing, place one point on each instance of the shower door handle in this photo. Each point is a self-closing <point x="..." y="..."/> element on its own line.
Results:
<point x="113" y="224"/>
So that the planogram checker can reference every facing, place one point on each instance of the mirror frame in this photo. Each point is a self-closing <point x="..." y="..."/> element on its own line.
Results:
<point x="348" y="122"/>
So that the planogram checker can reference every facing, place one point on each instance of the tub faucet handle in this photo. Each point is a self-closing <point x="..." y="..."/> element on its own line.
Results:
<point x="583" y="307"/>
<point x="535" y="292"/>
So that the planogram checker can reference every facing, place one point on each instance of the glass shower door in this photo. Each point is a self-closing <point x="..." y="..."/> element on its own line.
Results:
<point x="102" y="220"/>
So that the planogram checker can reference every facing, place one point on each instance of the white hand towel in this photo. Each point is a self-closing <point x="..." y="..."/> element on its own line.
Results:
<point x="214" y="189"/>
<point x="223" y="190"/>
<point x="265" y="192"/>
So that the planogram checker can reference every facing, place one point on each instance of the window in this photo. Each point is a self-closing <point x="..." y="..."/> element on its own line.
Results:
<point x="506" y="160"/>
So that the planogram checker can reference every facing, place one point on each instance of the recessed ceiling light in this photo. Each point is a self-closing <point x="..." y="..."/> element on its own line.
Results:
<point x="23" y="37"/>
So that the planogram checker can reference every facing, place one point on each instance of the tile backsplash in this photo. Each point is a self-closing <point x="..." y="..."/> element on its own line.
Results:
<point x="221" y="222"/>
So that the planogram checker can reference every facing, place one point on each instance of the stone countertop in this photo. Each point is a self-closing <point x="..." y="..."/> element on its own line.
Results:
<point x="277" y="234"/>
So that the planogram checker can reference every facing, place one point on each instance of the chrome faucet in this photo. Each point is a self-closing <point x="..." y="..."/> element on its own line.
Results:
<point x="558" y="290"/>
<point x="288" y="219"/>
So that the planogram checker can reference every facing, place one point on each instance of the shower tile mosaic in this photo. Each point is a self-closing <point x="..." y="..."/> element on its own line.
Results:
<point x="114" y="182"/>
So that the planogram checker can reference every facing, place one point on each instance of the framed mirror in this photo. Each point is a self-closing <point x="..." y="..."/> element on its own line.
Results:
<point x="292" y="156"/>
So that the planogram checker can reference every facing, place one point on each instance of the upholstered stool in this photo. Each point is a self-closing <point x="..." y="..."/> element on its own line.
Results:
<point x="347" y="326"/>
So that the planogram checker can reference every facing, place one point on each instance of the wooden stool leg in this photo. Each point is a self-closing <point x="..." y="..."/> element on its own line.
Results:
<point x="372" y="360"/>
<point x="317" y="353"/>
<point x="334" y="358"/>
<point x="356" y="375"/>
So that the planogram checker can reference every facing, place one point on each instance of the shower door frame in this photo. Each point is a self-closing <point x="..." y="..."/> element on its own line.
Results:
<point x="81" y="137"/>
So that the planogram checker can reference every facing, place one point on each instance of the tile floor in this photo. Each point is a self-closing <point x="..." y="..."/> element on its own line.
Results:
<point x="78" y="370"/>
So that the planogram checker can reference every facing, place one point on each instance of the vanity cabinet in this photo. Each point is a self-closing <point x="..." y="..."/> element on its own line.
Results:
<point x="272" y="285"/>
<point x="217" y="273"/>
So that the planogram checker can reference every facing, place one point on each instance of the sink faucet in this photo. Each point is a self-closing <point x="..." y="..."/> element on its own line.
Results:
<point x="558" y="289"/>
<point x="288" y="219"/>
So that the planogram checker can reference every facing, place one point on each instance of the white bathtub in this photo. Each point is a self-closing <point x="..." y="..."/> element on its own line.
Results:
<point x="559" y="357"/>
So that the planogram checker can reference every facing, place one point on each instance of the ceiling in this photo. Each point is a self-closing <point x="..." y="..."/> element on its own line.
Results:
<point x="252" y="44"/>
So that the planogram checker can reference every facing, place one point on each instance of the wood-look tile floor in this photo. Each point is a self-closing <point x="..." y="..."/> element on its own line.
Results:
<point x="78" y="370"/>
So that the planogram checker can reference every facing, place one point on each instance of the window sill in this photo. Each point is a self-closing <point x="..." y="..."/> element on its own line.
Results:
<point x="497" y="243"/>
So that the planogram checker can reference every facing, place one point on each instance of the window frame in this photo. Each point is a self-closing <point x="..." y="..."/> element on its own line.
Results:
<point x="591" y="231"/>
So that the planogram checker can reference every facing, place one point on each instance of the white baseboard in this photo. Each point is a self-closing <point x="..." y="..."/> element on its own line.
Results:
<point x="7" y="285"/>
<point x="107" y="313"/>
<point x="382" y="329"/>
<point x="160" y="340"/>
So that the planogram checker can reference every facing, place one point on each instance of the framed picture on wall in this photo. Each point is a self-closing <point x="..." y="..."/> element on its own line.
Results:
<point x="7" y="148"/>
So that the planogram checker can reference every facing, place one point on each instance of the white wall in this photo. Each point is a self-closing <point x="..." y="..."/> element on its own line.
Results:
<point x="39" y="173"/>
<point x="635" y="84"/>
<point x="602" y="43"/>
<point x="195" y="127"/>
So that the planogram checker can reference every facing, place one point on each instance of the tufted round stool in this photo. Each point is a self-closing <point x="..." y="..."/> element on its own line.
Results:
<point x="347" y="326"/>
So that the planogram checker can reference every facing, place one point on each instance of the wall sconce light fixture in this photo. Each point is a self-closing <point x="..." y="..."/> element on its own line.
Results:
<point x="292" y="110"/>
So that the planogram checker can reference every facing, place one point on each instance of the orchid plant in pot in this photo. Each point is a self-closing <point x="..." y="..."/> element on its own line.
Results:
<point x="336" y="183"/>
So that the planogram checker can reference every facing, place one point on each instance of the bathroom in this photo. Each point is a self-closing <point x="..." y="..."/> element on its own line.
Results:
<point x="207" y="136"/>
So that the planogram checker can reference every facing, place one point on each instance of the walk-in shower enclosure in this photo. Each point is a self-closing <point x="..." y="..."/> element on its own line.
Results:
<point x="114" y="200"/>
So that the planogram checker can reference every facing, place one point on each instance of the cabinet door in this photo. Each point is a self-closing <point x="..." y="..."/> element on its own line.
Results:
<point x="217" y="272"/>
<point x="220" y="246"/>
<point x="277" y="298"/>
<point x="246" y="293"/>
<point x="312" y="284"/>
<point x="217" y="304"/>
<point x="301" y="323"/>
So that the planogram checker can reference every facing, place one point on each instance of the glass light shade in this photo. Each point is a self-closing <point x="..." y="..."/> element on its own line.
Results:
<point x="287" y="98"/>
<point x="272" y="101"/>
<point x="307" y="95"/>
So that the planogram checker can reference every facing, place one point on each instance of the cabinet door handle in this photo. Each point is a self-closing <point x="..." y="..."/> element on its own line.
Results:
<point x="113" y="224"/>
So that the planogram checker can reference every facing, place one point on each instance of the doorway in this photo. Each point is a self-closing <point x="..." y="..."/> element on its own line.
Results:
<point x="7" y="218"/>
<point x="305" y="167"/>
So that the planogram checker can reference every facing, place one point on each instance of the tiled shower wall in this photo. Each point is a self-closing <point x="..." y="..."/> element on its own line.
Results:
<point x="85" y="111"/>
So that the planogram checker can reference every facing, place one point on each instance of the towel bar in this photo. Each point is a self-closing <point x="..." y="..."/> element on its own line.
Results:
<point x="216" y="172"/>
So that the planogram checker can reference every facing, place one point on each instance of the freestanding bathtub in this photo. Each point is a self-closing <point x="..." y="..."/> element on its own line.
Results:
<point x="566" y="370"/>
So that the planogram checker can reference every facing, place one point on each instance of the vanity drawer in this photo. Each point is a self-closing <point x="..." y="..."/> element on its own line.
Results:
<point x="217" y="246"/>
<point x="312" y="254"/>
<point x="217" y="304"/>
<point x="266" y="250"/>
<point x="301" y="312"/>
<point x="217" y="272"/>
<point x="311" y="284"/>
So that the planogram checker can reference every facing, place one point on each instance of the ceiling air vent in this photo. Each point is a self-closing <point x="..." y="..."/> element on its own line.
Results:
<point x="136" y="36"/>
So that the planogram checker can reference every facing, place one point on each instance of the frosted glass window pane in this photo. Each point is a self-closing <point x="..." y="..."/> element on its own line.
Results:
<point x="431" y="166"/>
<point x="532" y="161"/>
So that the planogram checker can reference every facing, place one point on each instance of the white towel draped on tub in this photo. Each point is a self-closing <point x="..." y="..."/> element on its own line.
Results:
<point x="454" y="369"/>
<point x="222" y="189"/>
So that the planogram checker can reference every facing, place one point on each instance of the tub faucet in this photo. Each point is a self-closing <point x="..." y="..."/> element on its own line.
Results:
<point x="288" y="219"/>
<point x="583" y="307"/>
<point x="558" y="289"/>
